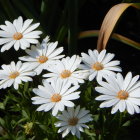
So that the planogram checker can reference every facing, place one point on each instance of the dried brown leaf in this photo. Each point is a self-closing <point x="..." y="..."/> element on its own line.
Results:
<point x="110" y="21"/>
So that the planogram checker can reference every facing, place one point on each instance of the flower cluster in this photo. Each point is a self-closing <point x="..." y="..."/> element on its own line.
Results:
<point x="63" y="76"/>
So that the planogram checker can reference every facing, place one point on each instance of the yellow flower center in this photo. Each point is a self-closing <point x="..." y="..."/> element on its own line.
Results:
<point x="13" y="75"/>
<point x="17" y="36"/>
<point x="42" y="59"/>
<point x="56" y="97"/>
<point x="73" y="121"/>
<point x="122" y="95"/>
<point x="65" y="74"/>
<point x="97" y="66"/>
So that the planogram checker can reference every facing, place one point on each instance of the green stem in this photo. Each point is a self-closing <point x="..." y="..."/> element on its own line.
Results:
<point x="72" y="23"/>
<point x="119" y="126"/>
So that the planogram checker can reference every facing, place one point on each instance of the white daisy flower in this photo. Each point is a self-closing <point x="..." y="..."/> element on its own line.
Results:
<point x="122" y="94"/>
<point x="55" y="96"/>
<point x="73" y="120"/>
<point x="99" y="64"/>
<point x="42" y="55"/>
<point x="19" y="33"/>
<point x="15" y="74"/>
<point x="66" y="70"/>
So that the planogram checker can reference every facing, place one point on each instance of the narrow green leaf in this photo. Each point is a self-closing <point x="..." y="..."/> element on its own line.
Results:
<point x="126" y="123"/>
<point x="2" y="122"/>
<point x="6" y="4"/>
<point x="24" y="10"/>
<point x="62" y="29"/>
<point x="26" y="86"/>
<point x="24" y="113"/>
<point x="72" y="23"/>
<point x="62" y="33"/>
<point x="2" y="106"/>
<point x="51" y="23"/>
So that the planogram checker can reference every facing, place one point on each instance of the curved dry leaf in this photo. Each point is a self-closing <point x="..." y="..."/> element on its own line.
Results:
<point x="118" y="37"/>
<point x="110" y="21"/>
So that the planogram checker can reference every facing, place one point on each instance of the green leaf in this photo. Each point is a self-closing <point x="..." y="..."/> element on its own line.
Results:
<point x="24" y="10"/>
<point x="2" y="122"/>
<point x="91" y="134"/>
<point x="62" y="33"/>
<point x="46" y="139"/>
<point x="21" y="137"/>
<point x="43" y="127"/>
<point x="25" y="114"/>
<point x="127" y="123"/>
<point x="21" y="120"/>
<point x="2" y="106"/>
<point x="26" y="86"/>
<point x="6" y="4"/>
<point x="72" y="24"/>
